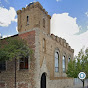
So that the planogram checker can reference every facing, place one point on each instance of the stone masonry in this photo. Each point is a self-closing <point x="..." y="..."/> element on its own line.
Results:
<point x="34" y="27"/>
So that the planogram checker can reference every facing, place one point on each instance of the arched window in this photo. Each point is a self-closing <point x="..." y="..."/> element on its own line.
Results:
<point x="43" y="80"/>
<point x="23" y="63"/>
<point x="44" y="45"/>
<point x="27" y="19"/>
<point x="69" y="59"/>
<point x="56" y="61"/>
<point x="43" y="22"/>
<point x="64" y="64"/>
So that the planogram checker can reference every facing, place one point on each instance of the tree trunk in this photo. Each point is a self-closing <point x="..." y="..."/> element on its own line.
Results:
<point x="15" y="73"/>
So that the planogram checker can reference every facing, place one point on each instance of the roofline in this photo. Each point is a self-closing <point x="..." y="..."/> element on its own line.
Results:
<point x="9" y="36"/>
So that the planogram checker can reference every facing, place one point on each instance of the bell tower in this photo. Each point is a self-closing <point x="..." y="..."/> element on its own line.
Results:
<point x="33" y="16"/>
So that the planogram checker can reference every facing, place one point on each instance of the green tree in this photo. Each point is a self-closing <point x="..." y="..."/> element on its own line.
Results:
<point x="14" y="48"/>
<point x="79" y="64"/>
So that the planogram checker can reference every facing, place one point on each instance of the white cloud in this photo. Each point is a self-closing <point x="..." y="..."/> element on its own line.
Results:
<point x="86" y="14"/>
<point x="58" y="0"/>
<point x="87" y="27"/>
<point x="17" y="29"/>
<point x="4" y="36"/>
<point x="0" y="34"/>
<point x="27" y="5"/>
<point x="66" y="27"/>
<point x="80" y="27"/>
<point x="6" y="1"/>
<point x="7" y="16"/>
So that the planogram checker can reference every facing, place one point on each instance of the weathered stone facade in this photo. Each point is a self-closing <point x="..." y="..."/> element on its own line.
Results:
<point x="44" y="60"/>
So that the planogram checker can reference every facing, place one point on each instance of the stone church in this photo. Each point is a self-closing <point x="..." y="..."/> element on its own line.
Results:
<point x="47" y="69"/>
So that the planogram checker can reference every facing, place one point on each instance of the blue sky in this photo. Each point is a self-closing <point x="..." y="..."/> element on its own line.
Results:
<point x="75" y="10"/>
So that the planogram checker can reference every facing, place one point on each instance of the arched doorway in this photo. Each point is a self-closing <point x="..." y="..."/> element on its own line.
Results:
<point x="43" y="80"/>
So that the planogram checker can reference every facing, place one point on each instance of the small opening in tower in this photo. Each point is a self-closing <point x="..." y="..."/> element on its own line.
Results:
<point x="44" y="45"/>
<point x="43" y="22"/>
<point x="27" y="20"/>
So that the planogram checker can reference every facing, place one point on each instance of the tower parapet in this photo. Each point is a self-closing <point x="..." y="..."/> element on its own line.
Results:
<point x="34" y="15"/>
<point x="34" y="5"/>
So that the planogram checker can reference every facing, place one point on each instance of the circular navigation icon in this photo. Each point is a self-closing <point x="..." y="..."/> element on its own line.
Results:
<point x="82" y="75"/>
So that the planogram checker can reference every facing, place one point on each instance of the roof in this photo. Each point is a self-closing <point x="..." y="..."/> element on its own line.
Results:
<point x="9" y="37"/>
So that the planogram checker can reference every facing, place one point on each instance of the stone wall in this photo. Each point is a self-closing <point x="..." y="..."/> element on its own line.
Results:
<point x="61" y="83"/>
<point x="42" y="62"/>
<point x="2" y="85"/>
<point x="55" y="82"/>
<point x="52" y="43"/>
<point x="24" y="77"/>
<point x="36" y="15"/>
<point x="45" y="61"/>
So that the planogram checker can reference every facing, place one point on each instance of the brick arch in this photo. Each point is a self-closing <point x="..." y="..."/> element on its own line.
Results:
<point x="64" y="54"/>
<point x="69" y="57"/>
<point x="43" y="80"/>
<point x="57" y="49"/>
